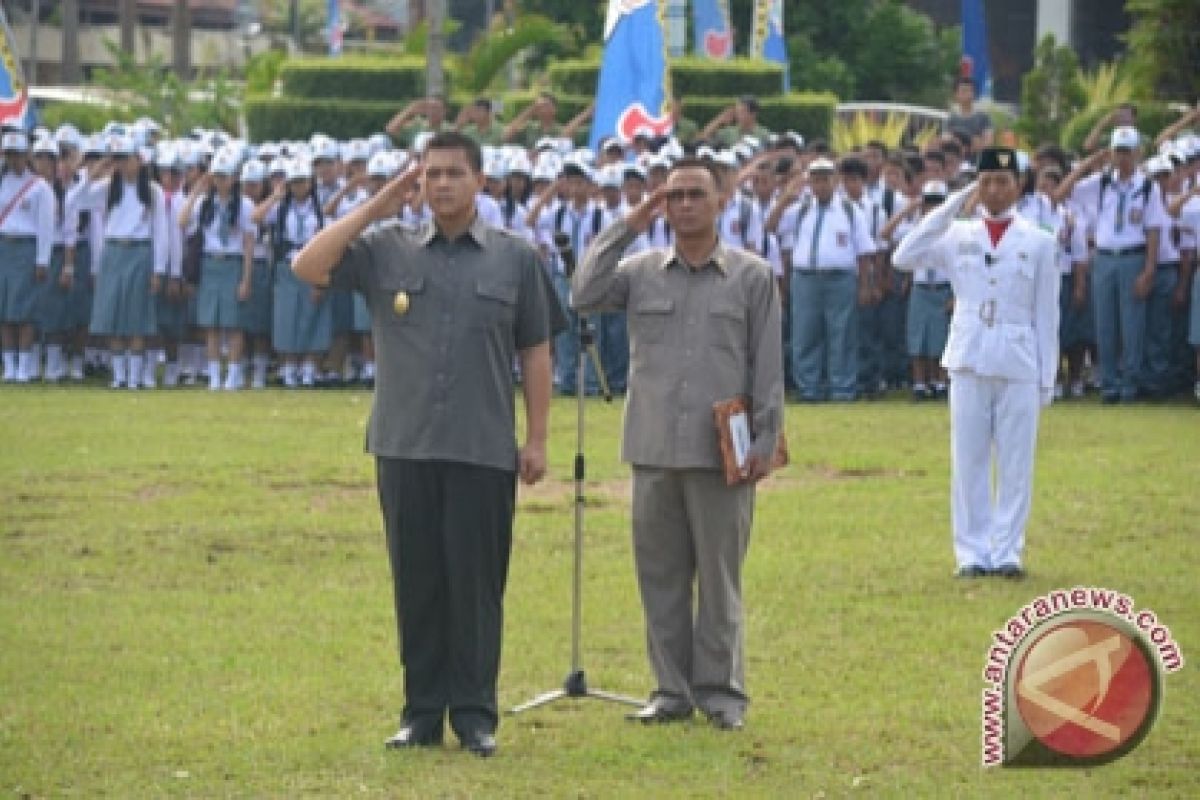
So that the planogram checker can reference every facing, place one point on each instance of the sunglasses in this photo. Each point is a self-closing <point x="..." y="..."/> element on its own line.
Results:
<point x="694" y="194"/>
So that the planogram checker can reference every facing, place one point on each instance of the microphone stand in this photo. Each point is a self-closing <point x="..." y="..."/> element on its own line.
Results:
<point x="575" y="684"/>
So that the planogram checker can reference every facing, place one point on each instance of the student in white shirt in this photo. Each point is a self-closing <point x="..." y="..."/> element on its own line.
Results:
<point x="217" y="210"/>
<point x="302" y="322"/>
<point x="172" y="306"/>
<point x="1075" y="334"/>
<point x="27" y="210"/>
<point x="255" y="313"/>
<point x="53" y="307"/>
<point x="134" y="262"/>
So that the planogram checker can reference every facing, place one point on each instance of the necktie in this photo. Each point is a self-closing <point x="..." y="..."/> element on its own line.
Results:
<point x="223" y="230"/>
<point x="1119" y="225"/>
<point x="816" y="237"/>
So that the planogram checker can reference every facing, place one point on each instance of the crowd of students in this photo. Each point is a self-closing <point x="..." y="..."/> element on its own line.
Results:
<point x="160" y="261"/>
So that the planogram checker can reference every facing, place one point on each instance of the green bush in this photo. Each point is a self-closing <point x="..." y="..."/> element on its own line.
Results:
<point x="277" y="118"/>
<point x="689" y="77"/>
<point x="89" y="118"/>
<point x="1151" y="119"/>
<point x="354" y="78"/>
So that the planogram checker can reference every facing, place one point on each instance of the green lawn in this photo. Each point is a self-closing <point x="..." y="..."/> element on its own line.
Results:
<point x="195" y="601"/>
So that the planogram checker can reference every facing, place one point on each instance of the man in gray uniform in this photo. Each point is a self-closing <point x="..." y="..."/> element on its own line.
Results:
<point x="452" y="302"/>
<point x="704" y="326"/>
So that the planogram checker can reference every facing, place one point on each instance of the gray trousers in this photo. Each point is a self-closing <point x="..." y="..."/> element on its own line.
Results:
<point x="690" y="529"/>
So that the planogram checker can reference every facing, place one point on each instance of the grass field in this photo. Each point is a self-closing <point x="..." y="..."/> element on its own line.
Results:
<point x="195" y="602"/>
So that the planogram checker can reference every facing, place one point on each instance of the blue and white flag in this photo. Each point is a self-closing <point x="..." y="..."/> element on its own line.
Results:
<point x="710" y="21"/>
<point x="15" y="108"/>
<point x="635" y="80"/>
<point x="335" y="29"/>
<point x="975" y="47"/>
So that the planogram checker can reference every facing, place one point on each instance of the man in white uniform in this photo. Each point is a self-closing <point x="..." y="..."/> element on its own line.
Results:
<point x="1002" y="355"/>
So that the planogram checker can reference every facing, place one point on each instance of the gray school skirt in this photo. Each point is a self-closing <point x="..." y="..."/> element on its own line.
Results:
<point x="928" y="323"/>
<point x="123" y="305"/>
<point x="18" y="289"/>
<point x="298" y="325"/>
<point x="79" y="303"/>
<point x="53" y="312"/>
<point x="362" y="315"/>
<point x="216" y="298"/>
<point x="254" y="315"/>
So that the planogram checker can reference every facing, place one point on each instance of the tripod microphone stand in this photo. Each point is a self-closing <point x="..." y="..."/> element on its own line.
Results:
<point x="575" y="684"/>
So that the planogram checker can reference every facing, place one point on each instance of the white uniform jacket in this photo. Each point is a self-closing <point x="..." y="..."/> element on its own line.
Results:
<point x="1005" y="322"/>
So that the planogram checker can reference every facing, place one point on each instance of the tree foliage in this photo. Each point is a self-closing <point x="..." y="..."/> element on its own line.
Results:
<point x="1164" y="48"/>
<point x="155" y="91"/>
<point x="1051" y="92"/>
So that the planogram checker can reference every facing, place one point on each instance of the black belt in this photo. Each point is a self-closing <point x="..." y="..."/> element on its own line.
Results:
<point x="932" y="285"/>
<point x="1168" y="265"/>
<point x="15" y="237"/>
<point x="1123" y="251"/>
<point x="125" y="242"/>
<point x="226" y="256"/>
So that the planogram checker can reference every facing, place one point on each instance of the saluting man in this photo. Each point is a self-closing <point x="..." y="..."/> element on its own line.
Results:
<point x="1002" y="355"/>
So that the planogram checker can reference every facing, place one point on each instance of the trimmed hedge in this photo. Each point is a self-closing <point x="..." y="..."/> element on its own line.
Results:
<point x="1151" y="119"/>
<point x="808" y="113"/>
<point x="400" y="79"/>
<point x="85" y="116"/>
<point x="689" y="77"/>
<point x="279" y="118"/>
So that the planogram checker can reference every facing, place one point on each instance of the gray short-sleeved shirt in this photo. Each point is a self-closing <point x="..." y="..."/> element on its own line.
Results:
<point x="973" y="124"/>
<point x="444" y="383"/>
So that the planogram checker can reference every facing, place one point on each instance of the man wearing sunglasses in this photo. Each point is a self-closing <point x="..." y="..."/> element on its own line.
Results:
<point x="704" y="326"/>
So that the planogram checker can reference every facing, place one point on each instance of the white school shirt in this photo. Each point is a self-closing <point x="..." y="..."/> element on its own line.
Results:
<point x="31" y="215"/>
<point x="740" y="223"/>
<point x="129" y="219"/>
<point x="580" y="226"/>
<point x="174" y="202"/>
<point x="1070" y="231"/>
<point x="489" y="210"/>
<point x="1037" y="208"/>
<point x="231" y="245"/>
<point x="1171" y="238"/>
<point x="1140" y="214"/>
<point x="515" y="220"/>
<point x="844" y="237"/>
<point x="351" y="201"/>
<point x="324" y="191"/>
<point x="1189" y="225"/>
<point x="66" y="224"/>
<point x="300" y="225"/>
<point x="262" y="249"/>
<point x="873" y="213"/>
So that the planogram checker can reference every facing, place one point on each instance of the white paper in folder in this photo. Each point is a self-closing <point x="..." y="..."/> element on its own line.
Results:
<point x="739" y="430"/>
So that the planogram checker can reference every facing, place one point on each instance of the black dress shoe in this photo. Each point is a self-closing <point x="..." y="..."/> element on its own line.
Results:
<point x="659" y="711"/>
<point x="1011" y="571"/>
<point x="416" y="734"/>
<point x="482" y="743"/>
<point x="726" y="721"/>
<point x="971" y="571"/>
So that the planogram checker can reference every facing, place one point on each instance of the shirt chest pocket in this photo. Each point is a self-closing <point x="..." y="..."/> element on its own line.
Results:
<point x="727" y="326"/>
<point x="404" y="301"/>
<point x="649" y="319"/>
<point x="1021" y="281"/>
<point x="494" y="304"/>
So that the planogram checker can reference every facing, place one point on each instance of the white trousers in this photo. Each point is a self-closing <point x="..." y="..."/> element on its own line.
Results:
<point x="993" y="430"/>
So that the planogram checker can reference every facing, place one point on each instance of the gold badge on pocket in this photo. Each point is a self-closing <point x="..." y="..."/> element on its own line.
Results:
<point x="400" y="303"/>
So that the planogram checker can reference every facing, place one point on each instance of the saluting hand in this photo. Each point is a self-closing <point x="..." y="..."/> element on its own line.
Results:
<point x="391" y="198"/>
<point x="641" y="216"/>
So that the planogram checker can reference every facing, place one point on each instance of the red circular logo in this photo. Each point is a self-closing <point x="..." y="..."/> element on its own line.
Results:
<point x="1085" y="689"/>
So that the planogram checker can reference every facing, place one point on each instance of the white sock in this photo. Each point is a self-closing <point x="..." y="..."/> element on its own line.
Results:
<point x="136" y="365"/>
<point x="309" y="373"/>
<point x="289" y="374"/>
<point x="118" y="370"/>
<point x="76" y="368"/>
<point x="150" y="370"/>
<point x="24" y="365"/>
<point x="54" y="362"/>
<point x="214" y="374"/>
<point x="260" y="363"/>
<point x="233" y="380"/>
<point x="35" y="362"/>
